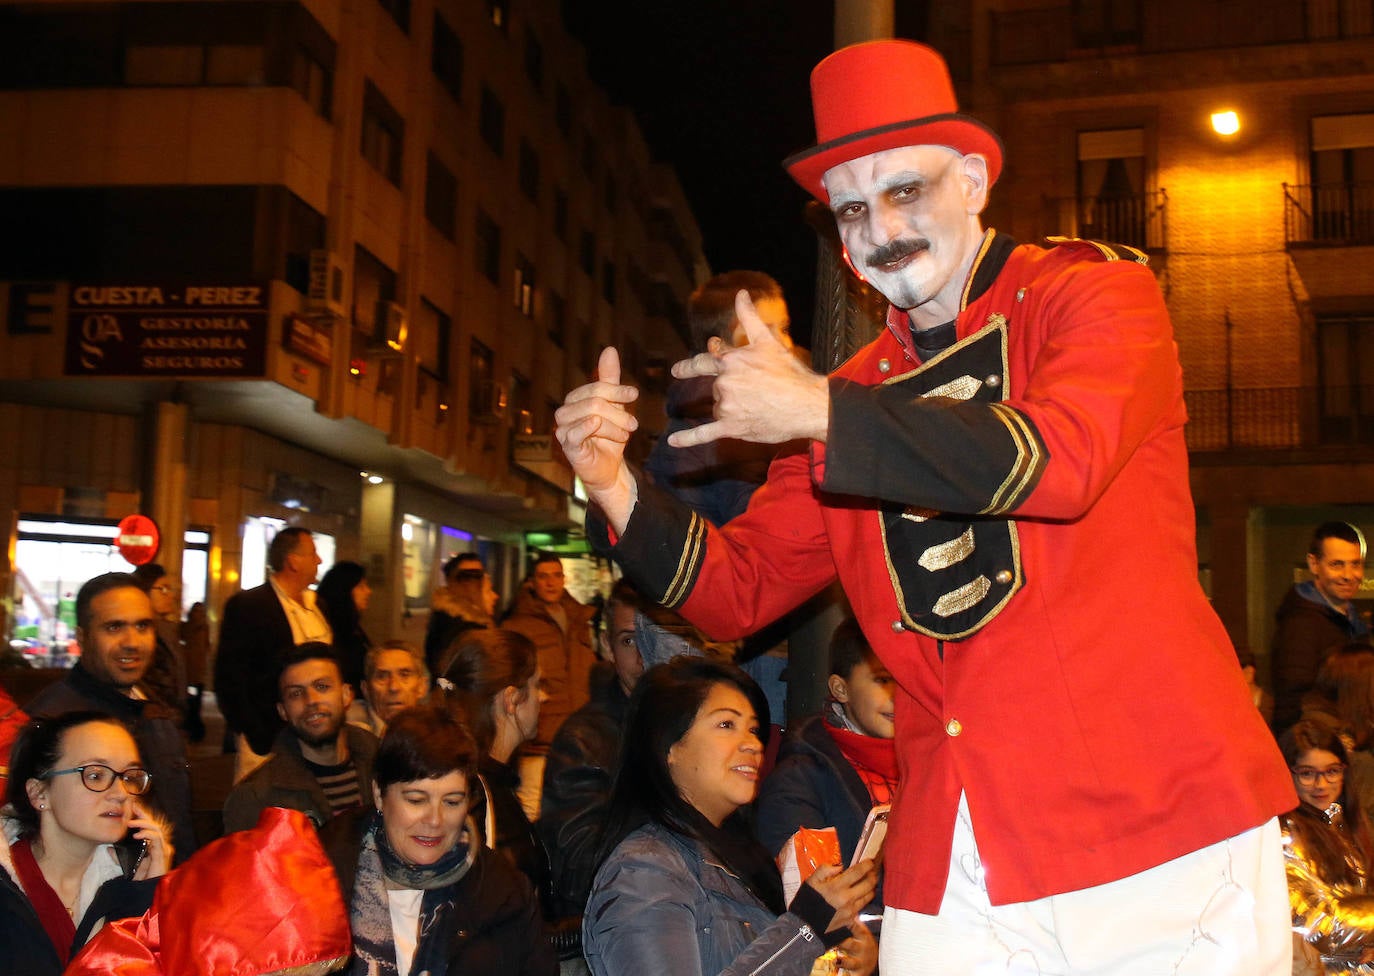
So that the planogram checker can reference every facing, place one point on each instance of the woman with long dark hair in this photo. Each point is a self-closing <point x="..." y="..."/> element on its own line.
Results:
<point x="344" y="594"/>
<point x="684" y="888"/>
<point x="1327" y="848"/>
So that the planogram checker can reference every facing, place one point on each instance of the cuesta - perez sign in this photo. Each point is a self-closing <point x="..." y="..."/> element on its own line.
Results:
<point x="161" y="330"/>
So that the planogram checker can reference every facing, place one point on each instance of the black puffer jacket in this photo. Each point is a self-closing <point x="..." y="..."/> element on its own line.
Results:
<point x="578" y="774"/>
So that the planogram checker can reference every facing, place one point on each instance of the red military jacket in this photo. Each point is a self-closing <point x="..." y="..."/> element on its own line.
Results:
<point x="1012" y="524"/>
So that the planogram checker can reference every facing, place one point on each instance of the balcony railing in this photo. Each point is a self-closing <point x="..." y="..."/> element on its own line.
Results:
<point x="1138" y="219"/>
<point x="1328" y="214"/>
<point x="1060" y="30"/>
<point x="1280" y="419"/>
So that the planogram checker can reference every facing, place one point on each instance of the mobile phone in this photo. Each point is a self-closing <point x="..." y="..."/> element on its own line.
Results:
<point x="870" y="844"/>
<point x="130" y="851"/>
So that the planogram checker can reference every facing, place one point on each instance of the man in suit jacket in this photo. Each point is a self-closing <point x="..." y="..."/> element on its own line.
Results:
<point x="258" y="627"/>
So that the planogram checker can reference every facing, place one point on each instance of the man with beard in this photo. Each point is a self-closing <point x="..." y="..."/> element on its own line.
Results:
<point x="998" y="480"/>
<point x="320" y="764"/>
<point x="116" y="630"/>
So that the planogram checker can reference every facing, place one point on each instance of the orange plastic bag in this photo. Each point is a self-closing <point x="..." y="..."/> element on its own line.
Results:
<point x="805" y="851"/>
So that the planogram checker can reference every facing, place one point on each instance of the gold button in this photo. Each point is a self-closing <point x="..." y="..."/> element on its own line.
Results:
<point x="884" y="366"/>
<point x="1003" y="576"/>
<point x="953" y="727"/>
<point x="898" y="627"/>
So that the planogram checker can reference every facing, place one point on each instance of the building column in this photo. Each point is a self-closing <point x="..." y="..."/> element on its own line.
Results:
<point x="862" y="20"/>
<point x="164" y="488"/>
<point x="380" y="553"/>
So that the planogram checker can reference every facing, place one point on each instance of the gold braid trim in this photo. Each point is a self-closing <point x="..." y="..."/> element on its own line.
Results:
<point x="688" y="563"/>
<point x="1028" y="460"/>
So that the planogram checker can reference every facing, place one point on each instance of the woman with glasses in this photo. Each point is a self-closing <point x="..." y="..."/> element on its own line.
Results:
<point x="1327" y="851"/>
<point x="80" y="849"/>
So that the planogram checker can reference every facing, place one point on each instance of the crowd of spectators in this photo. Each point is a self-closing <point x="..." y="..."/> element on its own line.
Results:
<point x="409" y="790"/>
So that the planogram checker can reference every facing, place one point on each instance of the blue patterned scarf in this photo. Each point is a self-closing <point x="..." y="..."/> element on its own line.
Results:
<point x="380" y="869"/>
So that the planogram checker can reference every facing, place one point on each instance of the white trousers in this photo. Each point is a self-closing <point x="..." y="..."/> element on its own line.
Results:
<point x="1220" y="911"/>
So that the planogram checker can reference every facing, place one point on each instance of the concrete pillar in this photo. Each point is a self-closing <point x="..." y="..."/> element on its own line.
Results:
<point x="164" y="488"/>
<point x="862" y="20"/>
<point x="379" y="549"/>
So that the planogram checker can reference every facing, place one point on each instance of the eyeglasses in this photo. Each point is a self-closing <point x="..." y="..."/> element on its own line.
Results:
<point x="1307" y="775"/>
<point x="98" y="778"/>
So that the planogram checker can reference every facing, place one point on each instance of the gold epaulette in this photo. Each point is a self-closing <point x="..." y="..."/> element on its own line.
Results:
<point x="1108" y="250"/>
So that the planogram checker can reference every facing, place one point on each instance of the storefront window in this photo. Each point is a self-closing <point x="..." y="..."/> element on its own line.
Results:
<point x="258" y="533"/>
<point x="417" y="554"/>
<point x="54" y="556"/>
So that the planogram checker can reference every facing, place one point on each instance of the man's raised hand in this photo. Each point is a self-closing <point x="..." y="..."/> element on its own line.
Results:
<point x="593" y="426"/>
<point x="762" y="393"/>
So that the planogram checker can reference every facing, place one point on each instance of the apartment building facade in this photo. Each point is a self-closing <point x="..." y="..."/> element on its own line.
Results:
<point x="319" y="262"/>
<point x="1115" y="118"/>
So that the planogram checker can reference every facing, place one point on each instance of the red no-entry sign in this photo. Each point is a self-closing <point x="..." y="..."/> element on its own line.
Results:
<point x="137" y="539"/>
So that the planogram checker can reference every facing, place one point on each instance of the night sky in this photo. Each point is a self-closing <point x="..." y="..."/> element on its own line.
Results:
<point x="721" y="91"/>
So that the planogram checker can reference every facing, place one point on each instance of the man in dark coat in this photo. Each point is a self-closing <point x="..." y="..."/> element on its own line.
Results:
<point x="259" y="626"/>
<point x="117" y="634"/>
<point x="1317" y="616"/>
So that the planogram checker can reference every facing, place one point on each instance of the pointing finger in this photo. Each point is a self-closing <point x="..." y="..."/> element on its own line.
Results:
<point x="692" y="436"/>
<point x="702" y="364"/>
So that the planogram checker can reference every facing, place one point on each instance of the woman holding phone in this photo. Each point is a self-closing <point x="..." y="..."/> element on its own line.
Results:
<point x="685" y="889"/>
<point x="79" y="847"/>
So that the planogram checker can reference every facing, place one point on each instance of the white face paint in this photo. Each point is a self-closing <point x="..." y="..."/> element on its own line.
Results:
<point x="908" y="218"/>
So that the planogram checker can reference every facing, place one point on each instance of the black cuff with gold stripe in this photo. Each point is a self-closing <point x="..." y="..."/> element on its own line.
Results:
<point x="661" y="549"/>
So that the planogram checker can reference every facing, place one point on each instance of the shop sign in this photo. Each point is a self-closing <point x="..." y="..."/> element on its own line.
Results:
<point x="137" y="539"/>
<point x="309" y="337"/>
<point x="535" y="453"/>
<point x="533" y="447"/>
<point x="210" y="330"/>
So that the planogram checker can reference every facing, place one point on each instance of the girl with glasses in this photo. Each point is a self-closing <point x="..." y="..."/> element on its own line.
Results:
<point x="1327" y="847"/>
<point x="79" y="846"/>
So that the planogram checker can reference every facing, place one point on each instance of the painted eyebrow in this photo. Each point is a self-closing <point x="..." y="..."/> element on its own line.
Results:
<point x="894" y="180"/>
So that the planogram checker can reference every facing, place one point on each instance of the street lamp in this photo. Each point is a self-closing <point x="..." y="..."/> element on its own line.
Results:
<point x="1226" y="123"/>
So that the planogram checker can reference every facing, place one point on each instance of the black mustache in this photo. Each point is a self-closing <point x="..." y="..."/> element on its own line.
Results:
<point x="895" y="251"/>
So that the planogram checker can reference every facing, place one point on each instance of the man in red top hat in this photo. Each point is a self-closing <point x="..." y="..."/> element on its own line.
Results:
<point x="1000" y="482"/>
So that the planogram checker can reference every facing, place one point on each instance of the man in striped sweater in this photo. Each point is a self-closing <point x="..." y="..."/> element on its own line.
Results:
<point x="319" y="764"/>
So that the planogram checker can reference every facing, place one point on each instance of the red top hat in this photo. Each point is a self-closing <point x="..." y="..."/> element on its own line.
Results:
<point x="884" y="95"/>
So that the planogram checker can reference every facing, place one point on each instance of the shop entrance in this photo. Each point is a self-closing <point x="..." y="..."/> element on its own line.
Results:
<point x="53" y="557"/>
